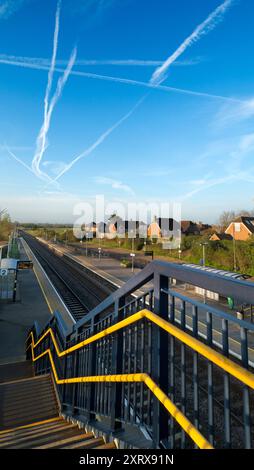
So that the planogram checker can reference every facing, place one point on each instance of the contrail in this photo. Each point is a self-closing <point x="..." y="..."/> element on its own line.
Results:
<point x="95" y="62"/>
<point x="18" y="159"/>
<point x="100" y="140"/>
<point x="202" y="29"/>
<point x="126" y="81"/>
<point x="41" y="139"/>
<point x="41" y="142"/>
<point x="29" y="168"/>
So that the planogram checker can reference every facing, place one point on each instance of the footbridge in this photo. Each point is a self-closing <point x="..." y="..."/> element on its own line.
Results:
<point x="161" y="370"/>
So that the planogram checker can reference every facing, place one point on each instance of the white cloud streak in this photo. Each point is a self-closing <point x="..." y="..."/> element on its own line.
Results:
<point x="99" y="141"/>
<point x="95" y="62"/>
<point x="41" y="139"/>
<point x="115" y="184"/>
<point x="8" y="7"/>
<point x="202" y="29"/>
<point x="233" y="113"/>
<point x="41" y="143"/>
<point x="236" y="152"/>
<point x="126" y="81"/>
<point x="18" y="159"/>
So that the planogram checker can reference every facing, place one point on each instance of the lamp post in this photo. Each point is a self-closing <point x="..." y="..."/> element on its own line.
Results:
<point x="234" y="250"/>
<point x="204" y="244"/>
<point x="99" y="249"/>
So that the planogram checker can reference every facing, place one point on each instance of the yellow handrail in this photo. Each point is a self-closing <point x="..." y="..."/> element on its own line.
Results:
<point x="186" y="425"/>
<point x="218" y="359"/>
<point x="224" y="363"/>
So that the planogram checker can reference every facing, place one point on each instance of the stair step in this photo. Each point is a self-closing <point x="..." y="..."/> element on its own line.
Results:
<point x="29" y="410"/>
<point x="108" y="445"/>
<point x="33" y="432"/>
<point x="69" y="440"/>
<point x="30" y="426"/>
<point x="24" y="385"/>
<point x="26" y="380"/>
<point x="34" y="403"/>
<point x="29" y="419"/>
<point x="90" y="444"/>
<point x="48" y="434"/>
<point x="16" y="370"/>
<point x="31" y="443"/>
<point x="30" y="390"/>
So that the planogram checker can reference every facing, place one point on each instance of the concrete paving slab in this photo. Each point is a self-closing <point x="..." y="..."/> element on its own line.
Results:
<point x="17" y="318"/>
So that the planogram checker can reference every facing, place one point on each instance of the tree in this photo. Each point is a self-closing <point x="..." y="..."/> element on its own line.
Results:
<point x="226" y="218"/>
<point x="229" y="216"/>
<point x="5" y="225"/>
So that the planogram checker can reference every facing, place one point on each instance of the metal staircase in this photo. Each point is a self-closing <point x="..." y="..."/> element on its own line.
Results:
<point x="160" y="370"/>
<point x="29" y="414"/>
<point x="162" y="365"/>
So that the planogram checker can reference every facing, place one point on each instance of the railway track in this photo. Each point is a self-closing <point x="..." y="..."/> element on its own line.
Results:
<point x="80" y="290"/>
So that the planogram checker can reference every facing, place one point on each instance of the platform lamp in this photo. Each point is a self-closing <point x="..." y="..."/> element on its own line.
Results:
<point x="204" y="244"/>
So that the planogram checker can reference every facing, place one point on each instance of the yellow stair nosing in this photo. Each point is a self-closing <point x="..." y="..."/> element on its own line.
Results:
<point x="40" y="434"/>
<point x="86" y="444"/>
<point x="30" y="425"/>
<point x="60" y="442"/>
<point x="32" y="432"/>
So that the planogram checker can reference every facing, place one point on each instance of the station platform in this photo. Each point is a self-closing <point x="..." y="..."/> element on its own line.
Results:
<point x="108" y="267"/>
<point x="16" y="318"/>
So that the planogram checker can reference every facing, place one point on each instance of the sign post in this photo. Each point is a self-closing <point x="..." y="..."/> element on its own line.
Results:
<point x="132" y="261"/>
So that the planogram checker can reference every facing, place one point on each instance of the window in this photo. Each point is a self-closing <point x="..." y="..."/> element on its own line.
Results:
<point x="237" y="227"/>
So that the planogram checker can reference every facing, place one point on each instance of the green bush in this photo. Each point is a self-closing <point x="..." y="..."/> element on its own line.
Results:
<point x="126" y="262"/>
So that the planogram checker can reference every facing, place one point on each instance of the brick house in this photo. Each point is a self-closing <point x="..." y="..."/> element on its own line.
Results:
<point x="241" y="229"/>
<point x="189" y="228"/>
<point x="217" y="236"/>
<point x="162" y="228"/>
<point x="132" y="228"/>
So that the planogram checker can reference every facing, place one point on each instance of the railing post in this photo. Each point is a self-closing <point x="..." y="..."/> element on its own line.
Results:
<point x="117" y="365"/>
<point x="160" y="360"/>
<point x="91" y="371"/>
<point x="64" y="375"/>
<point x="75" y="370"/>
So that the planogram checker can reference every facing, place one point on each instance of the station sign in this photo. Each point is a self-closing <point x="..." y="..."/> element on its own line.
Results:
<point x="3" y="272"/>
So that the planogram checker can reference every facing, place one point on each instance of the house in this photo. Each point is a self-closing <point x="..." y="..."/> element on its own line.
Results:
<point x="101" y="230"/>
<point x="216" y="236"/>
<point x="241" y="228"/>
<point x="162" y="227"/>
<point x="119" y="227"/>
<point x="90" y="230"/>
<point x="202" y="227"/>
<point x="189" y="228"/>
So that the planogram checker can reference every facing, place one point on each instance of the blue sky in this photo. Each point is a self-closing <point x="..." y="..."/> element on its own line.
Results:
<point x="194" y="148"/>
